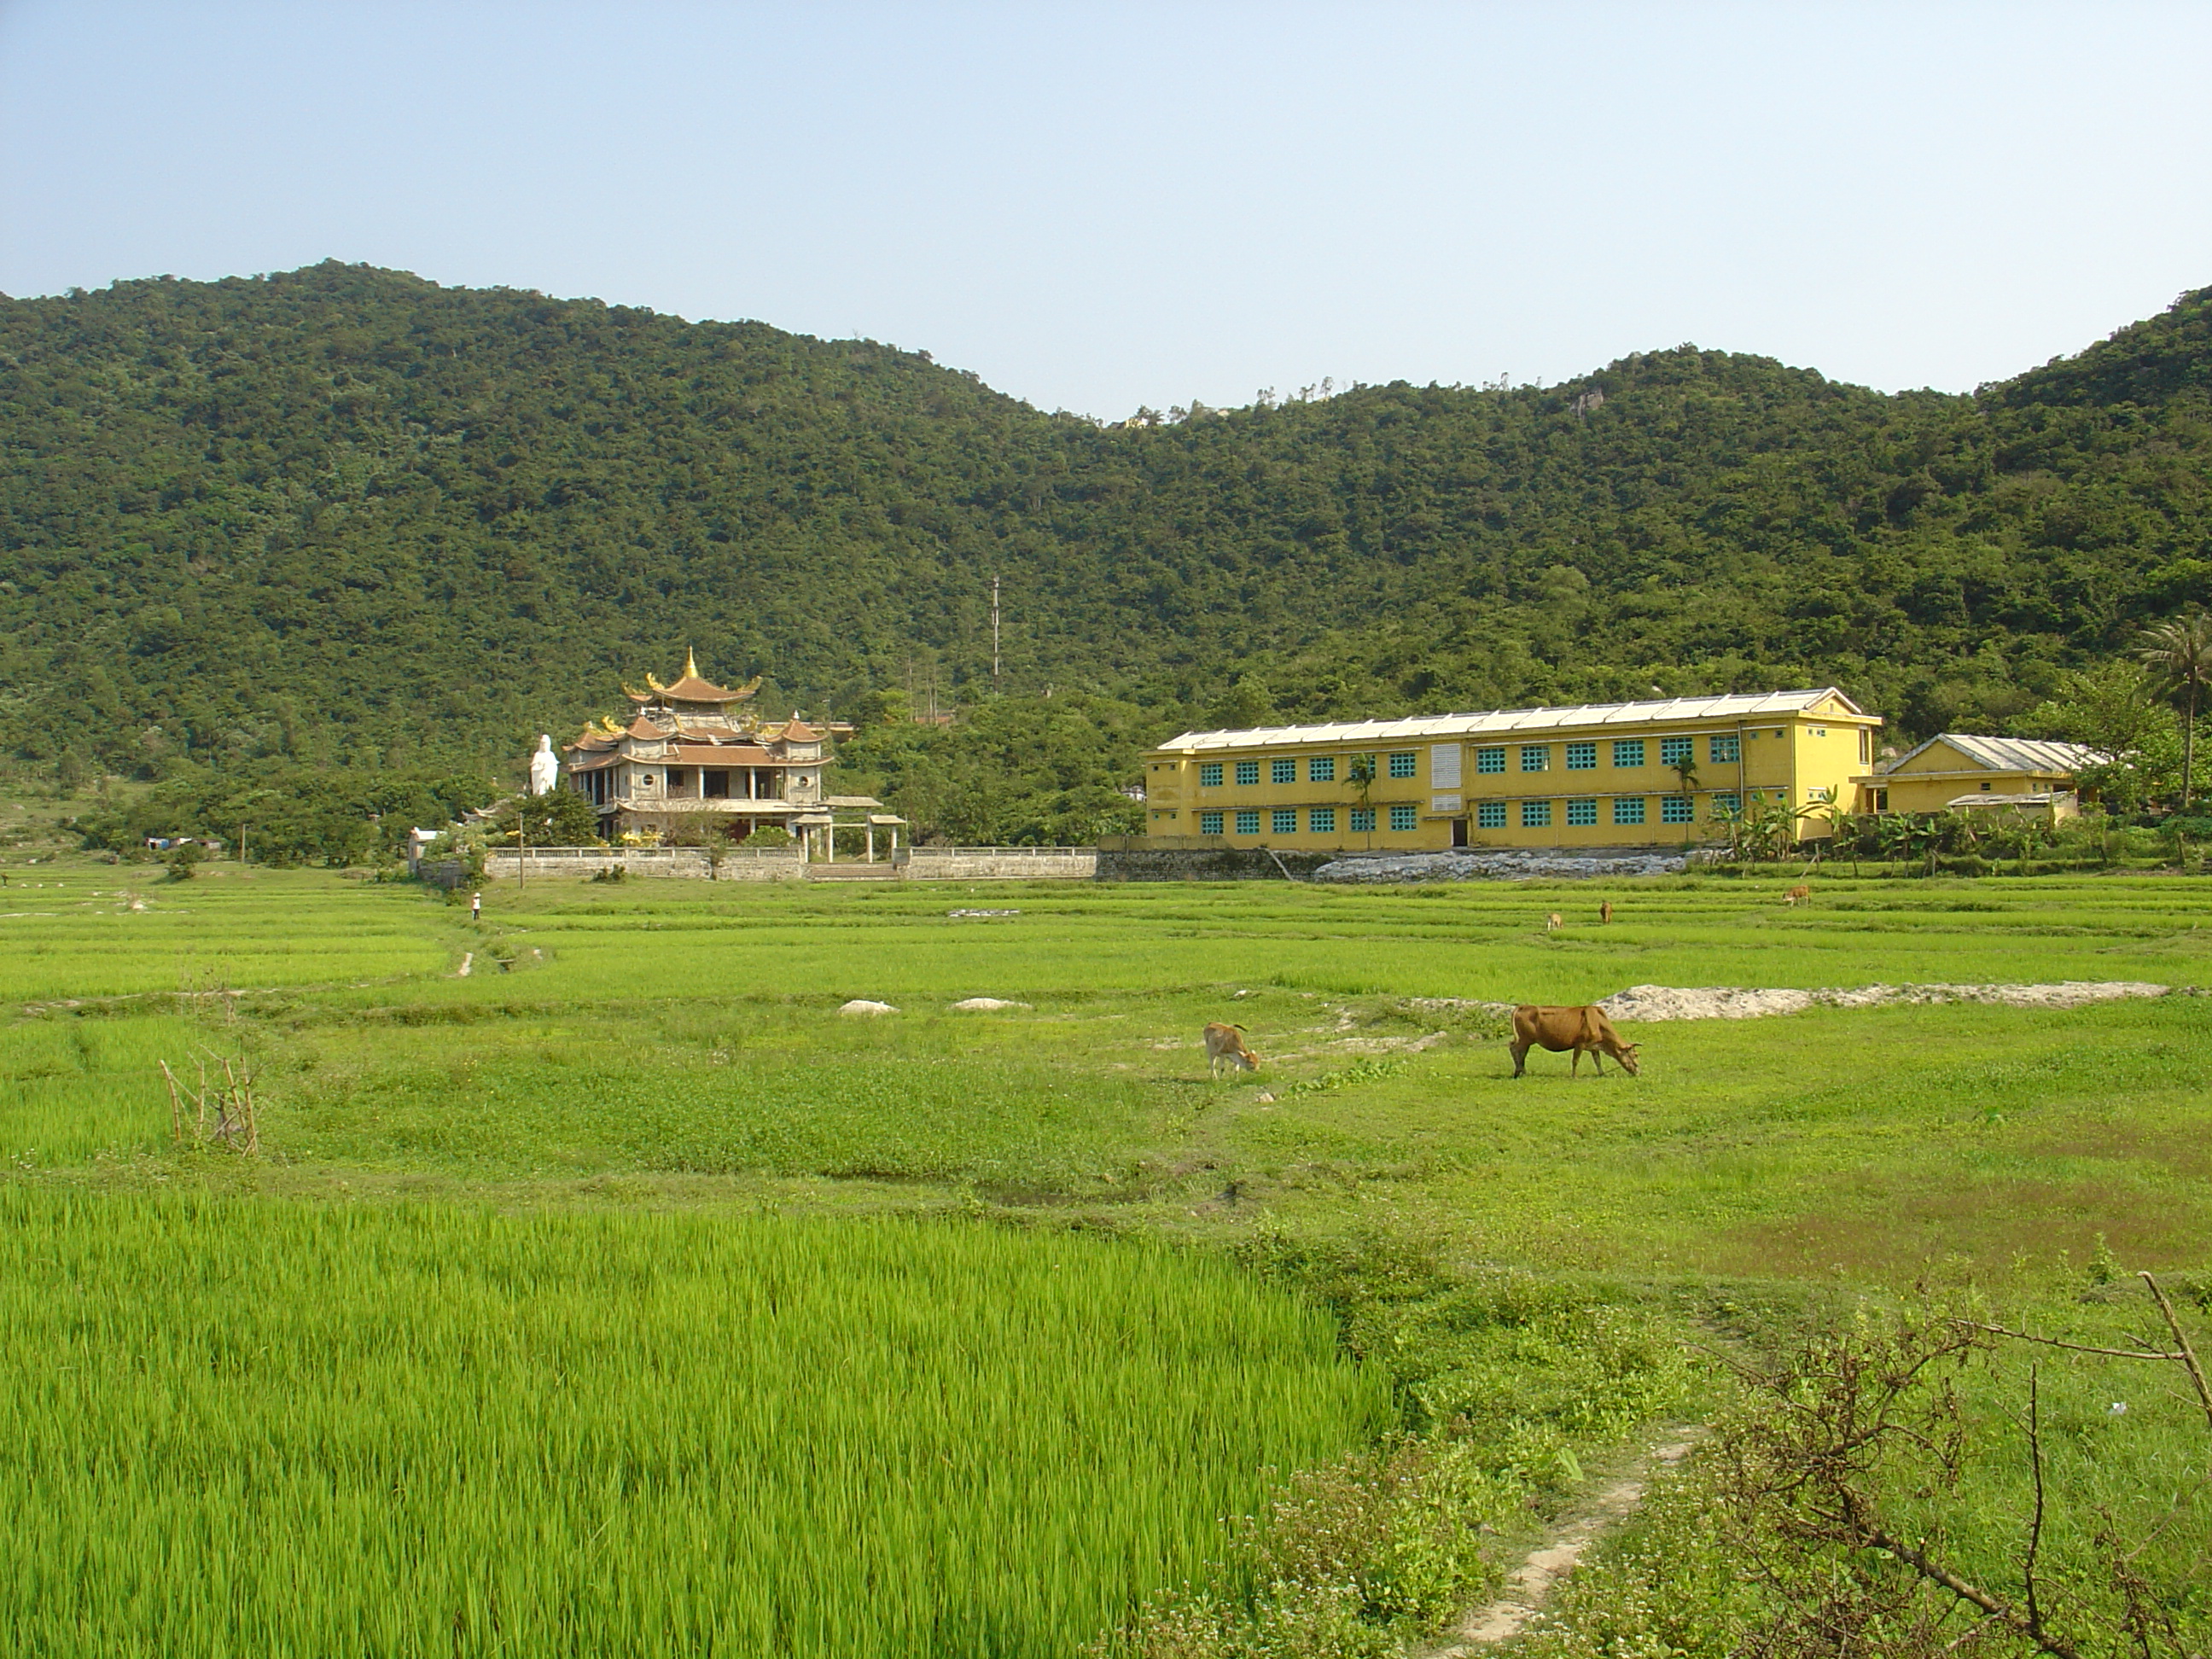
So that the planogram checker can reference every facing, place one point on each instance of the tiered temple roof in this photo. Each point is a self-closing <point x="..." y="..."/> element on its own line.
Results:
<point x="691" y="686"/>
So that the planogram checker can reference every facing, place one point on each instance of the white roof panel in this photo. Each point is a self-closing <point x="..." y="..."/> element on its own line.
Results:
<point x="1502" y="721"/>
<point x="2010" y="754"/>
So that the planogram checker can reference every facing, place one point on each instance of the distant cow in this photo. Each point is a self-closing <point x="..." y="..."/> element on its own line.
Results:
<point x="1801" y="894"/>
<point x="1584" y="1030"/>
<point x="1605" y="910"/>
<point x="1227" y="1043"/>
<point x="1553" y="922"/>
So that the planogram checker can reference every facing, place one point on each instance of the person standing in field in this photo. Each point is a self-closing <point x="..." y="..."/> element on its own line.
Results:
<point x="476" y="906"/>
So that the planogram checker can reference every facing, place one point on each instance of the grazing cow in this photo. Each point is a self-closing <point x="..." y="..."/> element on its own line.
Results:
<point x="1801" y="894"/>
<point x="1584" y="1030"/>
<point x="1605" y="910"/>
<point x="1227" y="1043"/>
<point x="1553" y="922"/>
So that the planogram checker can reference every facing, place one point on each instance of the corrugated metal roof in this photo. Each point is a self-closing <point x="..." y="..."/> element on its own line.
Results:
<point x="1733" y="706"/>
<point x="2010" y="754"/>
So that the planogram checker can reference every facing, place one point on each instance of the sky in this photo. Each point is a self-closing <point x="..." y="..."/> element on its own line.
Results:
<point x="1102" y="207"/>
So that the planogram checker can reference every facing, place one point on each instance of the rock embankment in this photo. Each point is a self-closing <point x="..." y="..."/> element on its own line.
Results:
<point x="1508" y="865"/>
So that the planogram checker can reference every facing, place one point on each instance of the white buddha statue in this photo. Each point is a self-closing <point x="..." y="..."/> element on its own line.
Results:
<point x="544" y="766"/>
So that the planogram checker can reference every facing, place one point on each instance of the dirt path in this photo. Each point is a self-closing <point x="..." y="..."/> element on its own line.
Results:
<point x="1530" y="1585"/>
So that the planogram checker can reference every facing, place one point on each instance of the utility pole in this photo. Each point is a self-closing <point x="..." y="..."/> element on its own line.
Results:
<point x="994" y="627"/>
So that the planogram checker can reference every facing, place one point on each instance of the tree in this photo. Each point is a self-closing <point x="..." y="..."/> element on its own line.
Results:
<point x="1360" y="775"/>
<point x="2110" y="708"/>
<point x="2179" y="655"/>
<point x="559" y="817"/>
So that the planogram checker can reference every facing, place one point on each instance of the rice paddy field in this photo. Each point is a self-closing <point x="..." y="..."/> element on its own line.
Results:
<point x="621" y="1296"/>
<point x="306" y="1429"/>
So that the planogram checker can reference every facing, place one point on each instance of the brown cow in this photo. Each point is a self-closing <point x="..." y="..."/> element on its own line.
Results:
<point x="1553" y="922"/>
<point x="1584" y="1030"/>
<point x="1226" y="1043"/>
<point x="1801" y="894"/>
<point x="1605" y="910"/>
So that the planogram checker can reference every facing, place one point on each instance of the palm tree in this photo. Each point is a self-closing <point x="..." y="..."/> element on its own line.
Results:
<point x="1686" y="774"/>
<point x="1360" y="775"/>
<point x="2179" y="655"/>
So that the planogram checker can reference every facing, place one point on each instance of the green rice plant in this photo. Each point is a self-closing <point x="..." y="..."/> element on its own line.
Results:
<point x="249" y="1426"/>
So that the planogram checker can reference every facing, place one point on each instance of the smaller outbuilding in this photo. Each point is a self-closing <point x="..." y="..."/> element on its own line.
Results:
<point x="1954" y="769"/>
<point x="2046" y="807"/>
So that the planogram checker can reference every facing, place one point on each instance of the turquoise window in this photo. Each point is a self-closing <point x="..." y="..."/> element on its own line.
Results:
<point x="1248" y="824"/>
<point x="1284" y="821"/>
<point x="1248" y="771"/>
<point x="1209" y="775"/>
<point x="1321" y="768"/>
<point x="1673" y="751"/>
<point x="1283" y="771"/>
<point x="1405" y="818"/>
<point x="1726" y="803"/>
<point x="1535" y="815"/>
<point x="1490" y="760"/>
<point x="1209" y="823"/>
<point x="1582" y="812"/>
<point x="1491" y="814"/>
<point x="1402" y="765"/>
<point x="1674" y="809"/>
<point x="1581" y="757"/>
<point x="1628" y="810"/>
<point x="1723" y="749"/>
<point x="1628" y="751"/>
<point x="1535" y="756"/>
<point x="1362" y="819"/>
<point x="1322" y="820"/>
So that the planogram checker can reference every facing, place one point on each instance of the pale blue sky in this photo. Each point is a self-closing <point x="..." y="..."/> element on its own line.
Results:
<point x="1095" y="207"/>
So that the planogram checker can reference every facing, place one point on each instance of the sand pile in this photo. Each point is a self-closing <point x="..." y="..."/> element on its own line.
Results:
<point x="1657" y="1002"/>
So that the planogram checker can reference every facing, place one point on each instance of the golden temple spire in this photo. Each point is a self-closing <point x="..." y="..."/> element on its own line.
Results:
<point x="690" y="664"/>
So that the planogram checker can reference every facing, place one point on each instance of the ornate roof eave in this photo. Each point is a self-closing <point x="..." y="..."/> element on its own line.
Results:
<point x="691" y="686"/>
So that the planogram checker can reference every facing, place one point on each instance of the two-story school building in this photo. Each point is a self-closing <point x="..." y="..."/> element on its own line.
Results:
<point x="1601" y="775"/>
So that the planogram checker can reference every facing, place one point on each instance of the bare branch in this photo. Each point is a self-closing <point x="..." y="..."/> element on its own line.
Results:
<point x="2188" y="1355"/>
<point x="1936" y="1573"/>
<point x="2035" y="1526"/>
<point x="176" y="1108"/>
<point x="2071" y="1347"/>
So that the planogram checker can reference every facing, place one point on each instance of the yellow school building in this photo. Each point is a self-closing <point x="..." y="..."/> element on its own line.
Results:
<point x="1960" y="771"/>
<point x="1599" y="774"/>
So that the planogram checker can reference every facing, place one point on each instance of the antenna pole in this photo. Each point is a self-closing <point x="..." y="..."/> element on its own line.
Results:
<point x="994" y="627"/>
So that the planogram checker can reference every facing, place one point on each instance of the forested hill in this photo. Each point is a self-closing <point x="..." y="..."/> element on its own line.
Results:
<point x="345" y="512"/>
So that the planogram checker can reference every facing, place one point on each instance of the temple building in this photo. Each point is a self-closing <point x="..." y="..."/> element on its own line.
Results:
<point x="695" y="761"/>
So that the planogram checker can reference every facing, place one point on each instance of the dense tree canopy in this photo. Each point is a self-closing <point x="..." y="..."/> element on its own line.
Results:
<point x="342" y="515"/>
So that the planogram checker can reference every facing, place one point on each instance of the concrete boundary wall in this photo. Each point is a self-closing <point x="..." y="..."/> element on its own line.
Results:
<point x="688" y="863"/>
<point x="999" y="864"/>
<point x="786" y="863"/>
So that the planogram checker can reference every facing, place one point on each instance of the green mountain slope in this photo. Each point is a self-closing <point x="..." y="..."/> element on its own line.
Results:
<point x="342" y="511"/>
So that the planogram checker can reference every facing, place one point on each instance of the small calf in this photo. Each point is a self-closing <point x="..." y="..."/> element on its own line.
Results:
<point x="1227" y="1043"/>
<point x="1798" y="894"/>
<point x="1605" y="910"/>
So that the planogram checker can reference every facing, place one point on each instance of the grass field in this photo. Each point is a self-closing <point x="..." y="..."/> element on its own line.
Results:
<point x="652" y="1069"/>
<point x="409" y="1430"/>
